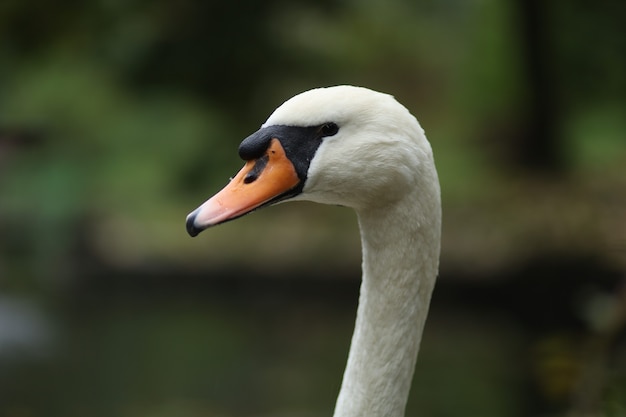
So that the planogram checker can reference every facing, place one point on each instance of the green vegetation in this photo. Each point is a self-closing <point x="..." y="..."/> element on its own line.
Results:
<point x="118" y="117"/>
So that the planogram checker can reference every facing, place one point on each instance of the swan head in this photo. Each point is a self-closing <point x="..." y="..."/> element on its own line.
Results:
<point x="339" y="145"/>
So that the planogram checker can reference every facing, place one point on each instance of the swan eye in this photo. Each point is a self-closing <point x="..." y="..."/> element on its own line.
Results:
<point x="329" y="129"/>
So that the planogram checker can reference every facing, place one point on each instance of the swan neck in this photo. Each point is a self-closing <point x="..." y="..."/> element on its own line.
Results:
<point x="400" y="262"/>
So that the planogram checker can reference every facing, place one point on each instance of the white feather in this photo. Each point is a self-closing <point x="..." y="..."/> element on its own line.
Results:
<point x="380" y="164"/>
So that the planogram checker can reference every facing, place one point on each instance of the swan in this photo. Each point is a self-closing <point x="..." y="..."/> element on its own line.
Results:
<point x="355" y="147"/>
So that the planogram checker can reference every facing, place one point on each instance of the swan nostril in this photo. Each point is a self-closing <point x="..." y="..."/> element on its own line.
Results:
<point x="259" y="166"/>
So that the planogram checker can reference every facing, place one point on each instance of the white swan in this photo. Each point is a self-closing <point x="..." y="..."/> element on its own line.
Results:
<point x="359" y="148"/>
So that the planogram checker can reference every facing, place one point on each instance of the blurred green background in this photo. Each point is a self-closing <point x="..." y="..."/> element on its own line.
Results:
<point x="118" y="117"/>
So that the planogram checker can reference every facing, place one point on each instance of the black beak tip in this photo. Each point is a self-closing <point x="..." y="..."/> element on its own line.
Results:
<point x="191" y="227"/>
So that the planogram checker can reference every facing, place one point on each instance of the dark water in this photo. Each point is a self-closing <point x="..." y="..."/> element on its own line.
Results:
<point x="238" y="343"/>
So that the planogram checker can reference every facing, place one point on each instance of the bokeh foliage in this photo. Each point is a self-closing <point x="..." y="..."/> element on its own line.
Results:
<point x="119" y="117"/>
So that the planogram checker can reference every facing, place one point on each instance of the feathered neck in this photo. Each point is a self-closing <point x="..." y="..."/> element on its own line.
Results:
<point x="400" y="247"/>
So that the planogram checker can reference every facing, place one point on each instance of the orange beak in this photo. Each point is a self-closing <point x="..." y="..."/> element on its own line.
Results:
<point x="260" y="181"/>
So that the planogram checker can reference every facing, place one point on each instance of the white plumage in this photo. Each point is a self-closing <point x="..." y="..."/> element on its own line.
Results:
<point x="380" y="164"/>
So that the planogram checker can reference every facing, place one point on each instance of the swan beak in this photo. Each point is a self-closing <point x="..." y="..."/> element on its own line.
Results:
<point x="259" y="182"/>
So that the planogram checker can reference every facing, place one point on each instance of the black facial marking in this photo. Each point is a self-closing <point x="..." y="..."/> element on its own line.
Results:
<point x="259" y="166"/>
<point x="254" y="146"/>
<point x="300" y="145"/>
